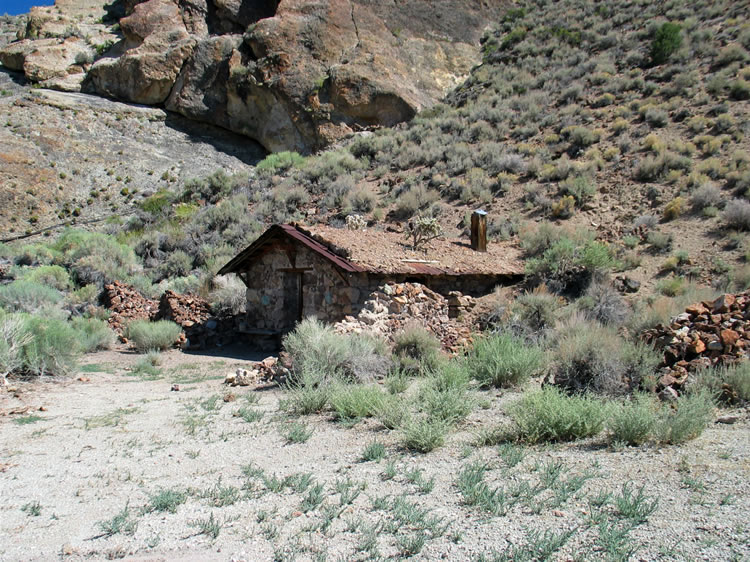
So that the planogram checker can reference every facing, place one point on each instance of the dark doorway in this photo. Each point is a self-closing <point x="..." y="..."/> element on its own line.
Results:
<point x="292" y="299"/>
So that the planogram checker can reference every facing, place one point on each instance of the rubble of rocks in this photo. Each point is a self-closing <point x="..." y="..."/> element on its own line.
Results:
<point x="707" y="334"/>
<point x="126" y="304"/>
<point x="269" y="369"/>
<point x="392" y="306"/>
<point x="200" y="328"/>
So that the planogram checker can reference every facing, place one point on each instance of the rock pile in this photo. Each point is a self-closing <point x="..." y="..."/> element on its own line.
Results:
<point x="392" y="306"/>
<point x="126" y="304"/>
<point x="200" y="328"/>
<point x="707" y="334"/>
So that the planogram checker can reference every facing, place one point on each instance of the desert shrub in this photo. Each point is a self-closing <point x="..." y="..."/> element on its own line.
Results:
<point x="444" y="396"/>
<point x="52" y="348"/>
<point x="550" y="415"/>
<point x="581" y="188"/>
<point x="568" y="264"/>
<point x="95" y="258"/>
<point x="502" y="360"/>
<point x="604" y="304"/>
<point x="736" y="214"/>
<point x="667" y="40"/>
<point x="50" y="275"/>
<point x="706" y="195"/>
<point x="652" y="168"/>
<point x="148" y="336"/>
<point x="659" y="241"/>
<point x="416" y="348"/>
<point x="415" y="199"/>
<point x="354" y="401"/>
<point x="536" y="240"/>
<point x="92" y="334"/>
<point x="687" y="420"/>
<point x="228" y="295"/>
<point x="279" y="162"/>
<point x="27" y="296"/>
<point x="580" y="137"/>
<point x="671" y="287"/>
<point x="212" y="188"/>
<point x="728" y="384"/>
<point x="675" y="208"/>
<point x="307" y="393"/>
<point x="176" y="264"/>
<point x="14" y="336"/>
<point x="322" y="354"/>
<point x="739" y="90"/>
<point x="731" y="53"/>
<point x="531" y="316"/>
<point x="424" y="435"/>
<point x="633" y="421"/>
<point x="656" y="117"/>
<point x="361" y="200"/>
<point x="592" y="357"/>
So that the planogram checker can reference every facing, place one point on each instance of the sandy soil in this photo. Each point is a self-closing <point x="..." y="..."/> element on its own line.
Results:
<point x="108" y="441"/>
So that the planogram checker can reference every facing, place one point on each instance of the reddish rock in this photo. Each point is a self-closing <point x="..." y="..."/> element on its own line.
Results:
<point x="728" y="337"/>
<point x="723" y="303"/>
<point x="697" y="347"/>
<point x="696" y="309"/>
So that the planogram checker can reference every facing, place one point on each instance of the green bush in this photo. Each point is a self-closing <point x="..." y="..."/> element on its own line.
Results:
<point x="416" y="349"/>
<point x="95" y="258"/>
<point x="550" y="415"/>
<point x="14" y="336"/>
<point x="633" y="421"/>
<point x="502" y="360"/>
<point x="147" y="336"/>
<point x="306" y="394"/>
<point x="280" y="162"/>
<point x="666" y="42"/>
<point x="354" y="401"/>
<point x="424" y="435"/>
<point x="445" y="396"/>
<point x="593" y="357"/>
<point x="92" y="334"/>
<point x="27" y="296"/>
<point x="52" y="348"/>
<point x="321" y="353"/>
<point x="692" y="414"/>
<point x="50" y="275"/>
<point x="728" y="384"/>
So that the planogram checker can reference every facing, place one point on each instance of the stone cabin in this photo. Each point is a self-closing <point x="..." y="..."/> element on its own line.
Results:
<point x="292" y="272"/>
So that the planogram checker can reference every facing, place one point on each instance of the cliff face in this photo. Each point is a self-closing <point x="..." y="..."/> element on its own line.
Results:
<point x="294" y="74"/>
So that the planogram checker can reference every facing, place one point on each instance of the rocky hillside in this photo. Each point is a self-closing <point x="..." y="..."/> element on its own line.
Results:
<point x="293" y="75"/>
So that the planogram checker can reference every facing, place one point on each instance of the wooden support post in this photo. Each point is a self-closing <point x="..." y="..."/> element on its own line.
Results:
<point x="479" y="231"/>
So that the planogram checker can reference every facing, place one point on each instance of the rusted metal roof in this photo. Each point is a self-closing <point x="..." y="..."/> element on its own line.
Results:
<point x="241" y="260"/>
<point x="384" y="257"/>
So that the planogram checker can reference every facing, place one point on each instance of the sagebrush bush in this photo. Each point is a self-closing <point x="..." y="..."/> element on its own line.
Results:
<point x="687" y="420"/>
<point x="591" y="357"/>
<point x="603" y="303"/>
<point x="502" y="360"/>
<point x="49" y="275"/>
<point x="633" y="421"/>
<point x="706" y="195"/>
<point x="92" y="334"/>
<point x="551" y="415"/>
<point x="27" y="296"/>
<point x="736" y="214"/>
<point x="424" y="435"/>
<point x="416" y="348"/>
<point x="148" y="336"/>
<point x="320" y="352"/>
<point x="52" y="348"/>
<point x="228" y="295"/>
<point x="728" y="384"/>
<point x="354" y="401"/>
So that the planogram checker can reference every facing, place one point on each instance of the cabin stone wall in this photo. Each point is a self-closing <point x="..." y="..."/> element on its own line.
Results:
<point x="273" y="290"/>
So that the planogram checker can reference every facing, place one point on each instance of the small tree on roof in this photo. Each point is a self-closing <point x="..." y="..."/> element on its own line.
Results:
<point x="421" y="230"/>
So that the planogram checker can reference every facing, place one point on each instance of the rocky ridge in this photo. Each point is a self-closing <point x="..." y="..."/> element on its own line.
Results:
<point x="292" y="74"/>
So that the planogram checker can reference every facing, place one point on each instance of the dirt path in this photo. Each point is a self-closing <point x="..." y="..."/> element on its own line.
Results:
<point x="120" y="466"/>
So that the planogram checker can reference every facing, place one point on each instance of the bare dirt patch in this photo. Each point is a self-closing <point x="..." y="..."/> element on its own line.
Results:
<point x="119" y="465"/>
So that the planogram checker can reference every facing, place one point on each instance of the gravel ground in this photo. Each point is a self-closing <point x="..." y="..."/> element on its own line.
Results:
<point x="80" y="479"/>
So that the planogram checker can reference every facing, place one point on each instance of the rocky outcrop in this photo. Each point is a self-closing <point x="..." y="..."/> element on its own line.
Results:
<point x="145" y="65"/>
<point x="292" y="74"/>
